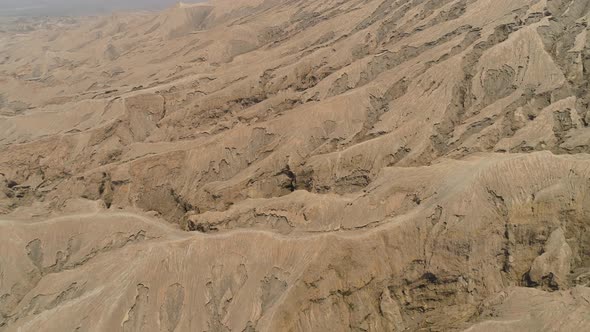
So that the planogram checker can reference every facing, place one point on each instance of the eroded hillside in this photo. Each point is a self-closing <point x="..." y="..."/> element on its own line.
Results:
<point x="274" y="165"/>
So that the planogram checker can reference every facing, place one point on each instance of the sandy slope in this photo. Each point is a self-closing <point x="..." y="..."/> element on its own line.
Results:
<point x="297" y="166"/>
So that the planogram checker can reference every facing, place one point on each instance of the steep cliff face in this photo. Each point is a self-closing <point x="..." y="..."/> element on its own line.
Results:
<point x="370" y="165"/>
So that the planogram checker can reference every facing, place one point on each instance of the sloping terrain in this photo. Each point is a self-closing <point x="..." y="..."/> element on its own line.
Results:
<point x="274" y="165"/>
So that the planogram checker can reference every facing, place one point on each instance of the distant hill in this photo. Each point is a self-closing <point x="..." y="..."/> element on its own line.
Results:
<point x="78" y="7"/>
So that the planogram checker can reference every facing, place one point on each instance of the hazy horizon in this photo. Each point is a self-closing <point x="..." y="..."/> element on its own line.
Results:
<point x="78" y="7"/>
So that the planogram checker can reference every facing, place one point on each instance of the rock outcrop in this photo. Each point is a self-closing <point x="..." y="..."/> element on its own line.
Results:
<point x="356" y="165"/>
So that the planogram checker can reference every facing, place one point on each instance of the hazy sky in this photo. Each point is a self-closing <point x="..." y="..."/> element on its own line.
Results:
<point x="73" y="7"/>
